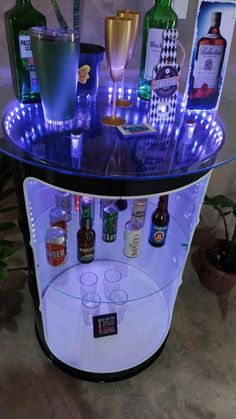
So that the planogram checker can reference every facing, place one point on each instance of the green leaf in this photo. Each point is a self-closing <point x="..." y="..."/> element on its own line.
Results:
<point x="3" y="210"/>
<point x="6" y="226"/>
<point x="6" y="193"/>
<point x="3" y="264"/>
<point x="76" y="14"/>
<point x="5" y="252"/>
<point x="6" y="243"/>
<point x="3" y="274"/>
<point x="58" y="14"/>
<point x="220" y="201"/>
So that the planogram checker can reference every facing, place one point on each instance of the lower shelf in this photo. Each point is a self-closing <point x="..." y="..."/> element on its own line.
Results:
<point x="140" y="334"/>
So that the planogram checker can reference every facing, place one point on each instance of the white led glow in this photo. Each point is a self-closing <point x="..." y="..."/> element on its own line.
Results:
<point x="136" y="116"/>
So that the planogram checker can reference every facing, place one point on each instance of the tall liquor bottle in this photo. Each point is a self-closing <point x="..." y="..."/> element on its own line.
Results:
<point x="161" y="16"/>
<point x="86" y="236"/>
<point x="160" y="222"/>
<point x="18" y="20"/>
<point x="208" y="67"/>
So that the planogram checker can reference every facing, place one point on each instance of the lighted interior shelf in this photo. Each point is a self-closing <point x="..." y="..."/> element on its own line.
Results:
<point x="141" y="332"/>
<point x="169" y="258"/>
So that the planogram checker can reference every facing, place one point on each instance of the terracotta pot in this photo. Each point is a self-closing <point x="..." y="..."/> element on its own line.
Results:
<point x="213" y="279"/>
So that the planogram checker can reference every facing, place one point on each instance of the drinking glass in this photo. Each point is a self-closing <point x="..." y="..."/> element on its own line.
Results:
<point x="90" y="307"/>
<point x="112" y="280"/>
<point x="88" y="282"/>
<point x="117" y="42"/>
<point x="118" y="300"/>
<point x="135" y="17"/>
<point x="56" y="57"/>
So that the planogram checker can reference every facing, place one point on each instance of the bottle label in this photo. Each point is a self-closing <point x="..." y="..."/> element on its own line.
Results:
<point x="27" y="61"/>
<point x="207" y="66"/>
<point x="158" y="234"/>
<point x="153" y="53"/>
<point x="25" y="46"/>
<point x="166" y="81"/>
<point x="86" y="254"/>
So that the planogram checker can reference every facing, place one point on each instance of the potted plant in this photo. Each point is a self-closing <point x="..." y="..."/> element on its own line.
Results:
<point x="218" y="256"/>
<point x="60" y="18"/>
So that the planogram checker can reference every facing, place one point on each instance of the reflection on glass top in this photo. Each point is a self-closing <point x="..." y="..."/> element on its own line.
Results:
<point x="192" y="144"/>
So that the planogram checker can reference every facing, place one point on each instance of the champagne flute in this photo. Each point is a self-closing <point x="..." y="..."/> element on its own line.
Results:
<point x="135" y="17"/>
<point x="117" y="43"/>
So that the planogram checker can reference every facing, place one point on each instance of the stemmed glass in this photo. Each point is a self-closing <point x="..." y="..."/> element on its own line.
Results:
<point x="118" y="33"/>
<point x="135" y="17"/>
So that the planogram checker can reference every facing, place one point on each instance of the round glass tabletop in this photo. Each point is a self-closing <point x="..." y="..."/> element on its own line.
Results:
<point x="193" y="144"/>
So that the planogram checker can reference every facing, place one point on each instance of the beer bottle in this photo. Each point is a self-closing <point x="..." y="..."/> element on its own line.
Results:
<point x="160" y="221"/>
<point x="121" y="204"/>
<point x="86" y="236"/>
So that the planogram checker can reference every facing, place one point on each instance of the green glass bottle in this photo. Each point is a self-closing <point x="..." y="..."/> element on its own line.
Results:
<point x="161" y="16"/>
<point x="18" y="20"/>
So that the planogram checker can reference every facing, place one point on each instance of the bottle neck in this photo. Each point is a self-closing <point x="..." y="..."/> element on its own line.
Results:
<point x="163" y="203"/>
<point x="86" y="223"/>
<point x="23" y="2"/>
<point x="214" y="30"/>
<point x="163" y="3"/>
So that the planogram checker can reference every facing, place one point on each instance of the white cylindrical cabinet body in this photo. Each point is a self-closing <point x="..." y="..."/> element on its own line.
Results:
<point x="151" y="282"/>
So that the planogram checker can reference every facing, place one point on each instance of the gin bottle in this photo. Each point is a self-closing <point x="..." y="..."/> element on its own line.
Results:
<point x="160" y="17"/>
<point x="18" y="20"/>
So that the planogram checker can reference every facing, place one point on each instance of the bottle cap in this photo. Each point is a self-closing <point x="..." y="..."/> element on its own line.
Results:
<point x="216" y="19"/>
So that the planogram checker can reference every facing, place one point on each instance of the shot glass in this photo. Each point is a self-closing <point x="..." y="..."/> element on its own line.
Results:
<point x="112" y="281"/>
<point x="90" y="307"/>
<point x="56" y="58"/>
<point x="118" y="300"/>
<point x="88" y="283"/>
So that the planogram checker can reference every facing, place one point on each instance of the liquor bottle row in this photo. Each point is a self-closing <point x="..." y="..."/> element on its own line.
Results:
<point x="61" y="215"/>
<point x="210" y="51"/>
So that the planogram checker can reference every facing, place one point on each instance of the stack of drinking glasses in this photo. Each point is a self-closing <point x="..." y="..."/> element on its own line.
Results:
<point x="115" y="296"/>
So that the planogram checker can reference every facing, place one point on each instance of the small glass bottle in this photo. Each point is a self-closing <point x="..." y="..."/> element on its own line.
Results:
<point x="161" y="16"/>
<point x="86" y="236"/>
<point x="18" y="20"/>
<point x="160" y="222"/>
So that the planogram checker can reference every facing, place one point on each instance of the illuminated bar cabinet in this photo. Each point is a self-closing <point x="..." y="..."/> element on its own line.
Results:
<point x="176" y="161"/>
